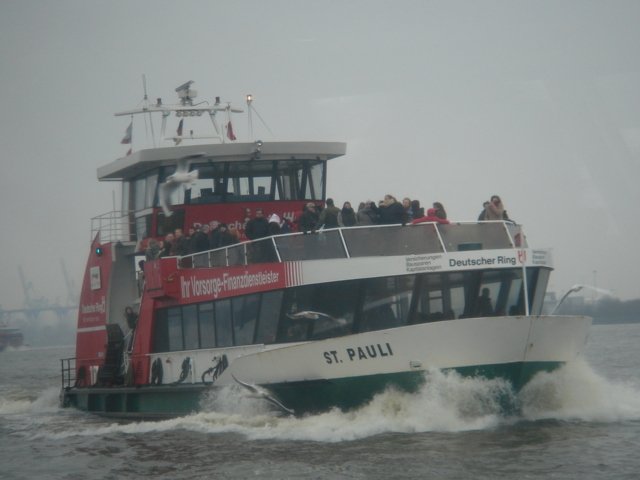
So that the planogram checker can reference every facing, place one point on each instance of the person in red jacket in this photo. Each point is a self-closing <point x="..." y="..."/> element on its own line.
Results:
<point x="430" y="217"/>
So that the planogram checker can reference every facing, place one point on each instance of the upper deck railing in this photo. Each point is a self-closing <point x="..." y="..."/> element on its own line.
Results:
<point x="369" y="241"/>
<point x="114" y="226"/>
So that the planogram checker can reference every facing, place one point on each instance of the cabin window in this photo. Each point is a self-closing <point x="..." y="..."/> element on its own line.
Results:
<point x="296" y="314"/>
<point x="190" y="326"/>
<point x="174" y="323"/>
<point x="336" y="305"/>
<point x="457" y="295"/>
<point x="269" y="315"/>
<point x="537" y="280"/>
<point x="386" y="302"/>
<point x="513" y="298"/>
<point x="245" y="314"/>
<point x="161" y="332"/>
<point x="224" y="331"/>
<point x="206" y="325"/>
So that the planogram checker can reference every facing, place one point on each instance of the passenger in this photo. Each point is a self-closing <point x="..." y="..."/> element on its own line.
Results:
<point x="309" y="218"/>
<point x="367" y="214"/>
<point x="495" y="209"/>
<point x="440" y="211"/>
<point x="223" y="237"/>
<point x="257" y="227"/>
<point x="483" y="213"/>
<point x="247" y="216"/>
<point x="180" y="243"/>
<point x="418" y="211"/>
<point x="153" y="249"/>
<point x="286" y="226"/>
<point x="430" y="217"/>
<point x="200" y="240"/>
<point x="140" y="275"/>
<point x="167" y="247"/>
<point x="329" y="216"/>
<point x="391" y="211"/>
<point x="347" y="217"/>
<point x="233" y="233"/>
<point x="274" y="225"/>
<point x="406" y="204"/>
<point x="242" y="228"/>
<point x="131" y="317"/>
<point x="484" y="306"/>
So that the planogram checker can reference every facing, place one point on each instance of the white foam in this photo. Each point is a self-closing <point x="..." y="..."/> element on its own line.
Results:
<point x="46" y="401"/>
<point x="577" y="392"/>
<point x="446" y="403"/>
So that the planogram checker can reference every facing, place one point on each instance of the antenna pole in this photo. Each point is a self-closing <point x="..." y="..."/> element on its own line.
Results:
<point x="146" y="105"/>
<point x="249" y="109"/>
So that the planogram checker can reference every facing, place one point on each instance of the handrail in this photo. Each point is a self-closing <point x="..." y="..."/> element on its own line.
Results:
<point x="348" y="242"/>
<point x="113" y="226"/>
<point x="68" y="372"/>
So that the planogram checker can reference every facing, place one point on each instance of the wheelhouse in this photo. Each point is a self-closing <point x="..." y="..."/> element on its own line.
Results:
<point x="278" y="176"/>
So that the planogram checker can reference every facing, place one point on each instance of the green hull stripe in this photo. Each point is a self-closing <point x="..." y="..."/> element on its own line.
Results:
<point x="303" y="397"/>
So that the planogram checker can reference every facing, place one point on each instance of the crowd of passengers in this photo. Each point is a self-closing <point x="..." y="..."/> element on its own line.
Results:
<point x="389" y="211"/>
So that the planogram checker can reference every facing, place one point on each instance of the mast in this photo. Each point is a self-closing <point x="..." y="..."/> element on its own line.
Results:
<point x="185" y="108"/>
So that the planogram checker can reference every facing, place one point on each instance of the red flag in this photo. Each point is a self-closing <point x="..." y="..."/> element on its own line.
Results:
<point x="127" y="134"/>
<point x="230" y="134"/>
<point x="179" y="131"/>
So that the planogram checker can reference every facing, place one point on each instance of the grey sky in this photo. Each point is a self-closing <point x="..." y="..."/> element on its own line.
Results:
<point x="537" y="101"/>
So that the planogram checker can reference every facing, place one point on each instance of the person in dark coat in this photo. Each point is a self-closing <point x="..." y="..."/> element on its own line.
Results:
<point x="200" y="239"/>
<point x="257" y="227"/>
<point x="367" y="214"/>
<point x="309" y="218"/>
<point x="329" y="216"/>
<point x="391" y="211"/>
<point x="418" y="211"/>
<point x="347" y="216"/>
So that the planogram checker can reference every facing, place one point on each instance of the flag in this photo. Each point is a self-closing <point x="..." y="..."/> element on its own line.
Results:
<point x="127" y="134"/>
<point x="179" y="130"/>
<point x="230" y="134"/>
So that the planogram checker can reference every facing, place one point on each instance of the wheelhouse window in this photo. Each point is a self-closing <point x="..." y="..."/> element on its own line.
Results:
<point x="144" y="190"/>
<point x="254" y="180"/>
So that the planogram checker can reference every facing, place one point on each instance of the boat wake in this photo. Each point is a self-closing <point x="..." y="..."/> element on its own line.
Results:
<point x="18" y="402"/>
<point x="447" y="403"/>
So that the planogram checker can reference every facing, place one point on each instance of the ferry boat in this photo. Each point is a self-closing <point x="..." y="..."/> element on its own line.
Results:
<point x="306" y="321"/>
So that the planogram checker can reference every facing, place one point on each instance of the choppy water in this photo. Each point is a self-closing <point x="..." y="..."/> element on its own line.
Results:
<point x="582" y="422"/>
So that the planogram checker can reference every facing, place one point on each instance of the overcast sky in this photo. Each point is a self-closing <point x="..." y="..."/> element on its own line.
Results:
<point x="537" y="101"/>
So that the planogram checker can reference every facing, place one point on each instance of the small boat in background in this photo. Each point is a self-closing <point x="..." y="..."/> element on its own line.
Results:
<point x="10" y="337"/>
